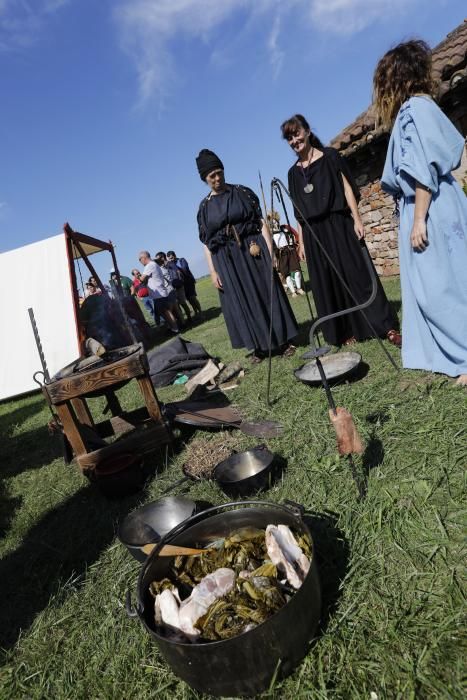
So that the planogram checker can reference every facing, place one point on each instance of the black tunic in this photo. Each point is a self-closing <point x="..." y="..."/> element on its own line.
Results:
<point x="326" y="210"/>
<point x="228" y="223"/>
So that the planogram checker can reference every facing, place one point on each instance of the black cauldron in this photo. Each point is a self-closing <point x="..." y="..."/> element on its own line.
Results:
<point x="246" y="664"/>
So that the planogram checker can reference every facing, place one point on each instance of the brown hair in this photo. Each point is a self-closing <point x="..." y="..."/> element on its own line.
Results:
<point x="403" y="71"/>
<point x="296" y="122"/>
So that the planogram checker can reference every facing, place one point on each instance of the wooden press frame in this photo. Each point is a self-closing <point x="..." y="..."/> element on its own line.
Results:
<point x="76" y="243"/>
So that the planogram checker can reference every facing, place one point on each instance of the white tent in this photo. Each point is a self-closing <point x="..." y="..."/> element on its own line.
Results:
<point x="42" y="282"/>
<point x="45" y="281"/>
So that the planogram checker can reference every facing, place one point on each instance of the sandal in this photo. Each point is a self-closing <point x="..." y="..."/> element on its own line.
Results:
<point x="395" y="338"/>
<point x="289" y="351"/>
<point x="255" y="359"/>
<point x="350" y="341"/>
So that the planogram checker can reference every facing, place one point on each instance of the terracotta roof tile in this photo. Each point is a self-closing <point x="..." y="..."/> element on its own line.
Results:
<point x="448" y="56"/>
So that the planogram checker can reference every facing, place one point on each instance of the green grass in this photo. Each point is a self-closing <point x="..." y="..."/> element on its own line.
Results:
<point x="392" y="565"/>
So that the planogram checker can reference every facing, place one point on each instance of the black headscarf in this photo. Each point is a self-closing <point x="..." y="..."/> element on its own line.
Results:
<point x="207" y="161"/>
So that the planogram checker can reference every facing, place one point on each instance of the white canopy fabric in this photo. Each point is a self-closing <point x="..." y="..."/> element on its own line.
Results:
<point x="36" y="276"/>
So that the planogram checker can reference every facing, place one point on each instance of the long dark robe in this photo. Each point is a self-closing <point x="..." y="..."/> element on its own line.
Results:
<point x="326" y="209"/>
<point x="245" y="297"/>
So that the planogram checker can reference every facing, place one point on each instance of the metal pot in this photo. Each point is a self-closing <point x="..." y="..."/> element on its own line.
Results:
<point x="150" y="522"/>
<point x="246" y="473"/>
<point x="244" y="665"/>
<point x="241" y="474"/>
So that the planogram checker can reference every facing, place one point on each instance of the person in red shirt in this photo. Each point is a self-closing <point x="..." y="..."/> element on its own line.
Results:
<point x="141" y="291"/>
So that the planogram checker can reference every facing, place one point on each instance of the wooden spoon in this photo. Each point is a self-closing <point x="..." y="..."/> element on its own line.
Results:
<point x="171" y="550"/>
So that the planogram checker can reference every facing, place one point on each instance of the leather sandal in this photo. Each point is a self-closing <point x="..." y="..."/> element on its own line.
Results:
<point x="289" y="351"/>
<point x="256" y="359"/>
<point x="394" y="337"/>
<point x="350" y="341"/>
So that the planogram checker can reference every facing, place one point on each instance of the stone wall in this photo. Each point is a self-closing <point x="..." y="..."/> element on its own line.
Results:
<point x="377" y="207"/>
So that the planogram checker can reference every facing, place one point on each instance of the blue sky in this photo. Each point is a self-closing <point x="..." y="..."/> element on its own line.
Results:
<point x="106" y="103"/>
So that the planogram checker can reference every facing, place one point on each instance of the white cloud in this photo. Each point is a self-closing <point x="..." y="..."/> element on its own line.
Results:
<point x="150" y="29"/>
<point x="351" y="16"/>
<point x="21" y="21"/>
<point x="276" y="53"/>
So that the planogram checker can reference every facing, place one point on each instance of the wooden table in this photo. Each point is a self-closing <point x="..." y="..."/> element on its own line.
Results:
<point x="144" y="429"/>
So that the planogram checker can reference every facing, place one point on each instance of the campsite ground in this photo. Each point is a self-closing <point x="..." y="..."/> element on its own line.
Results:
<point x="391" y="565"/>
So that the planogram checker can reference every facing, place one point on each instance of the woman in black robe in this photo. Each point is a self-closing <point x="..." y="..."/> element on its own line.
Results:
<point x="238" y="250"/>
<point x="322" y="187"/>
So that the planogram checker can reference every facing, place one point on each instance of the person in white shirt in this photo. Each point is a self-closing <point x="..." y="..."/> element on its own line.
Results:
<point x="160" y="290"/>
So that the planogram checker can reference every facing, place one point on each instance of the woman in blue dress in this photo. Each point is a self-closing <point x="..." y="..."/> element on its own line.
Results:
<point x="423" y="150"/>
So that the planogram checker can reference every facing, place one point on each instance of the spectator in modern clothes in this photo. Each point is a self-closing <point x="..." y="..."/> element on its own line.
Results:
<point x="90" y="289"/>
<point x="188" y="280"/>
<point x="176" y="279"/>
<point x="125" y="282"/>
<point x="141" y="291"/>
<point x="160" y="290"/>
<point x="92" y="280"/>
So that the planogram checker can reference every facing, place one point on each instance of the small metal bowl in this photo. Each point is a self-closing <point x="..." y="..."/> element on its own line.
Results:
<point x="336" y="367"/>
<point x="150" y="522"/>
<point x="245" y="473"/>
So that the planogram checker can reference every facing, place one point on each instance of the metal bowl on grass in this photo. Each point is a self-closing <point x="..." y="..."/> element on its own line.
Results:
<point x="246" y="473"/>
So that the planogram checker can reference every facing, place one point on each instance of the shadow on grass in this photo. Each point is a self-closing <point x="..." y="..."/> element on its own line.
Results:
<point x="371" y="458"/>
<point x="26" y="451"/>
<point x="8" y="506"/>
<point x="9" y="421"/>
<point x="31" y="450"/>
<point x="332" y="555"/>
<point x="61" y="545"/>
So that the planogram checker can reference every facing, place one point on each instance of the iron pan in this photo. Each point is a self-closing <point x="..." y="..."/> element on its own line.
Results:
<point x="241" y="474"/>
<point x="151" y="522"/>
<point x="336" y="367"/>
<point x="246" y="473"/>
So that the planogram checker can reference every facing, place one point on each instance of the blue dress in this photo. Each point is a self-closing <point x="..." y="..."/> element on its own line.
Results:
<point x="425" y="147"/>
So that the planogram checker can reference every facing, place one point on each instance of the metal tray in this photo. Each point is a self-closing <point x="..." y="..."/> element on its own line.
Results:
<point x="336" y="366"/>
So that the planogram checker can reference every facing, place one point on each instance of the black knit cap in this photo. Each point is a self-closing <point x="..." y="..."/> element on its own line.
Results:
<point x="207" y="161"/>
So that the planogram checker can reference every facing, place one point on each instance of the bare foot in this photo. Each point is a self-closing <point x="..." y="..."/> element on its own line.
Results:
<point x="461" y="380"/>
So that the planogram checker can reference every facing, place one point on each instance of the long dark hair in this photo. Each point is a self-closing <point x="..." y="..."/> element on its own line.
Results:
<point x="291" y="125"/>
<point x="403" y="71"/>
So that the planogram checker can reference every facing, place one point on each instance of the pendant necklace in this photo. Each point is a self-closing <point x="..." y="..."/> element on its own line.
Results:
<point x="309" y="187"/>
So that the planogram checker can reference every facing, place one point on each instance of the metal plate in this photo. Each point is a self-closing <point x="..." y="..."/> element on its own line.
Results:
<point x="336" y="366"/>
